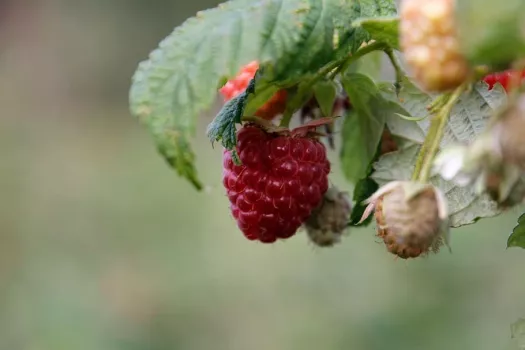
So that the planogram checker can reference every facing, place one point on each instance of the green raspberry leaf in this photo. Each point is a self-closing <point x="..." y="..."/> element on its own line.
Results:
<point x="294" y="37"/>
<point x="381" y="29"/>
<point x="371" y="65"/>
<point x="467" y="121"/>
<point x="491" y="32"/>
<point x="264" y="89"/>
<point x="361" y="135"/>
<point x="222" y="128"/>
<point x="517" y="238"/>
<point x="363" y="127"/>
<point x="350" y="37"/>
<point x="325" y="93"/>
<point x="364" y="189"/>
<point x="173" y="145"/>
<point x="374" y="8"/>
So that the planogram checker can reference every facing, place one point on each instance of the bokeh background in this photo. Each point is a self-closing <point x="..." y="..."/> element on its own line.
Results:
<point x="103" y="247"/>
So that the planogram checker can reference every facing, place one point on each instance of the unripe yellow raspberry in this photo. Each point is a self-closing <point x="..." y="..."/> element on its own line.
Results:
<point x="430" y="44"/>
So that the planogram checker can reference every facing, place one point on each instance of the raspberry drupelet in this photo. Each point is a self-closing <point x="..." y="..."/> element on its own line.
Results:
<point x="281" y="180"/>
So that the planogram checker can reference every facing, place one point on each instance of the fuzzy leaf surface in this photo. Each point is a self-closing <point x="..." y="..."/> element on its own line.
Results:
<point x="371" y="65"/>
<point x="517" y="238"/>
<point x="499" y="43"/>
<point x="325" y="93"/>
<point x="179" y="79"/>
<point x="382" y="29"/>
<point x="223" y="127"/>
<point x="468" y="120"/>
<point x="351" y="37"/>
<point x="363" y="127"/>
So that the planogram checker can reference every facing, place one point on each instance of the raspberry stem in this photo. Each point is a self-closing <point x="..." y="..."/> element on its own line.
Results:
<point x="259" y="121"/>
<point x="347" y="61"/>
<point x="435" y="134"/>
<point x="438" y="103"/>
<point x="287" y="116"/>
<point x="331" y="70"/>
<point x="400" y="74"/>
<point x="433" y="108"/>
<point x="411" y="119"/>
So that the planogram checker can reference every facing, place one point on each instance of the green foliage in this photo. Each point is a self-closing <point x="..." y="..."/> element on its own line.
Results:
<point x="223" y="126"/>
<point x="371" y="66"/>
<point x="173" y="87"/>
<point x="325" y="93"/>
<point x="364" y="189"/>
<point x="263" y="91"/>
<point x="302" y="45"/>
<point x="468" y="119"/>
<point x="517" y="238"/>
<point x="350" y="36"/>
<point x="382" y="29"/>
<point x="491" y="32"/>
<point x="363" y="127"/>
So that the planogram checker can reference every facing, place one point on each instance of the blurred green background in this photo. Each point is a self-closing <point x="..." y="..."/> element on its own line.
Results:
<point x="103" y="247"/>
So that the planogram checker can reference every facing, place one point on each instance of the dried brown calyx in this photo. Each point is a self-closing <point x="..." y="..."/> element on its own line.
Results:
<point x="329" y="221"/>
<point x="411" y="218"/>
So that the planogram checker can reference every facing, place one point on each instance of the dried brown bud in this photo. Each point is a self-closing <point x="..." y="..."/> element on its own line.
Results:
<point x="329" y="221"/>
<point x="411" y="218"/>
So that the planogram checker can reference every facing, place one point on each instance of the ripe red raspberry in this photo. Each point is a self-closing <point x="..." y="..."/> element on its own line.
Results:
<point x="504" y="78"/>
<point x="428" y="36"/>
<point x="273" y="107"/>
<point x="283" y="177"/>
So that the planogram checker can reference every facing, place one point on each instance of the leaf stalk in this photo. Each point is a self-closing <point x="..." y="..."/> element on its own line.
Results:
<point x="400" y="74"/>
<point x="331" y="70"/>
<point x="435" y="134"/>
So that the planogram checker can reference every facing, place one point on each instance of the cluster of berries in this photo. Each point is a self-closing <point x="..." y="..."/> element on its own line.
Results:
<point x="430" y="44"/>
<point x="282" y="184"/>
<point x="282" y="181"/>
<point x="412" y="217"/>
